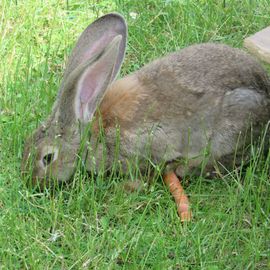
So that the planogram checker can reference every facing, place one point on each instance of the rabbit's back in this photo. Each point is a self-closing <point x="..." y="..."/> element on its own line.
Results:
<point x="202" y="95"/>
<point x="206" y="67"/>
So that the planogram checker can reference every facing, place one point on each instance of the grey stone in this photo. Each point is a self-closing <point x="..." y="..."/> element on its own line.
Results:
<point x="259" y="44"/>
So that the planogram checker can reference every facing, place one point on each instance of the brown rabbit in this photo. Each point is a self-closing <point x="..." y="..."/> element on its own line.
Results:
<point x="202" y="97"/>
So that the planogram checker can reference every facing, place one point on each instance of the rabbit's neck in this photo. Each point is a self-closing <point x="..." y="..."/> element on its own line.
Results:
<point x="120" y="103"/>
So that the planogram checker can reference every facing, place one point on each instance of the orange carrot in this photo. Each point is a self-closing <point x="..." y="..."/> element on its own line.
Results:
<point x="177" y="191"/>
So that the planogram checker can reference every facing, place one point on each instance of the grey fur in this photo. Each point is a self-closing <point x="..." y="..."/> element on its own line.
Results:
<point x="203" y="97"/>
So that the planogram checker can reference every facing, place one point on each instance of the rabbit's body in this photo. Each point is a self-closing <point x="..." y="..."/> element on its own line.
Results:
<point x="200" y="98"/>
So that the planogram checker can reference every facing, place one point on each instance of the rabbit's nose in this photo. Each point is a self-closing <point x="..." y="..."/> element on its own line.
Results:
<point x="34" y="182"/>
<point x="26" y="177"/>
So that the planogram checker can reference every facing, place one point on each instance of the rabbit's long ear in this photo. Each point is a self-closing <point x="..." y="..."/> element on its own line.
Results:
<point x="94" y="39"/>
<point x="93" y="64"/>
<point x="94" y="80"/>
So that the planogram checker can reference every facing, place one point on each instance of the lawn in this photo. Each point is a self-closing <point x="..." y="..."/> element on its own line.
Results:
<point x="94" y="224"/>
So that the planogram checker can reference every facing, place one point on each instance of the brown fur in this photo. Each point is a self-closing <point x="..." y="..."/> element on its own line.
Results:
<point x="120" y="103"/>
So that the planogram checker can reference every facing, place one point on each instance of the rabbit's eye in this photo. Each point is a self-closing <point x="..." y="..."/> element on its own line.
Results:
<point x="48" y="159"/>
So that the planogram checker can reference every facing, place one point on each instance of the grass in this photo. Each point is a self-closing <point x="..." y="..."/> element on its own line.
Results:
<point x="94" y="224"/>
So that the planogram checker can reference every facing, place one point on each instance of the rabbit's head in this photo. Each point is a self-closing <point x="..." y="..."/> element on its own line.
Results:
<point x="52" y="150"/>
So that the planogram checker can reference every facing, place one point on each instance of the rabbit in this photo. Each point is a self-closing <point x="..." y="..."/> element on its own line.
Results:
<point x="205" y="96"/>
